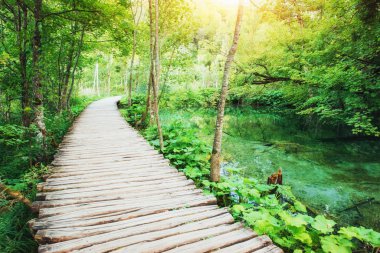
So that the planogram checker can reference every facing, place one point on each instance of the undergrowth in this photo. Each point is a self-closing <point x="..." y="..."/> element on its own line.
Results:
<point x="22" y="164"/>
<point x="268" y="209"/>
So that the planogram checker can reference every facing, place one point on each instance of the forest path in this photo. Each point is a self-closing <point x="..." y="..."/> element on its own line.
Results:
<point x="110" y="191"/>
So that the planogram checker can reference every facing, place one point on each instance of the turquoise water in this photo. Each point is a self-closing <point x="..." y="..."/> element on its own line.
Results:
<point x="329" y="176"/>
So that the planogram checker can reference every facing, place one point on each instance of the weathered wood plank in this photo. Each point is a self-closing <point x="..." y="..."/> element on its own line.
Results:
<point x="170" y="191"/>
<point x="194" y="233"/>
<point x="146" y="242"/>
<point x="216" y="242"/>
<point x="64" y="234"/>
<point x="248" y="246"/>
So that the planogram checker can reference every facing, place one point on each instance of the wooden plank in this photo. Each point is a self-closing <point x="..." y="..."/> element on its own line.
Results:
<point x="248" y="246"/>
<point x="55" y="186"/>
<point x="132" y="195"/>
<point x="216" y="242"/>
<point x="193" y="233"/>
<point x="270" y="249"/>
<point x="130" y="188"/>
<point x="98" y="238"/>
<point x="119" y="206"/>
<point x="62" y="234"/>
<point x="105" y="168"/>
<point x="107" y="178"/>
<point x="46" y="223"/>
<point x="143" y="242"/>
<point x="141" y="202"/>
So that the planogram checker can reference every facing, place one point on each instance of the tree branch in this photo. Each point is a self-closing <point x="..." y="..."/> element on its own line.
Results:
<point x="68" y="11"/>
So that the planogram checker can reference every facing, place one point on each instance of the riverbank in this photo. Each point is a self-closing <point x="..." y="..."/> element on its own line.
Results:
<point x="336" y="178"/>
<point x="268" y="209"/>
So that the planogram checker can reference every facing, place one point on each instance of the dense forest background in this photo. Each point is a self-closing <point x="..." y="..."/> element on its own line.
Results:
<point x="315" y="63"/>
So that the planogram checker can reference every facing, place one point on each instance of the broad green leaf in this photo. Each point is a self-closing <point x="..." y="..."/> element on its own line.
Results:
<point x="323" y="225"/>
<point x="300" y="207"/>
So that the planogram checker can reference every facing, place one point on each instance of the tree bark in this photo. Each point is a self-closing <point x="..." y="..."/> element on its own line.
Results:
<point x="37" y="82"/>
<point x="68" y="71"/>
<point x="75" y="68"/>
<point x="148" y="102"/>
<point x="136" y="20"/>
<point x="22" y="31"/>
<point x="155" y="63"/>
<point x="163" y="89"/>
<point x="96" y="79"/>
<point x="217" y="145"/>
<point x="131" y="69"/>
<point x="109" y="68"/>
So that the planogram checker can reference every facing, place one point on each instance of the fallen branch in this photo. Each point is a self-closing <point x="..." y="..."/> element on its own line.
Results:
<point x="16" y="195"/>
<point x="355" y="206"/>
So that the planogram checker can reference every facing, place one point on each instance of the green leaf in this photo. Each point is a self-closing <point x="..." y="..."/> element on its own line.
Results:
<point x="330" y="244"/>
<point x="300" y="207"/>
<point x="304" y="237"/>
<point x="323" y="225"/>
<point x="237" y="210"/>
<point x="296" y="221"/>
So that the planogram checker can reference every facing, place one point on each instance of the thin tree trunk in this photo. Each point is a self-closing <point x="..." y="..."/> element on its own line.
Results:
<point x="109" y="68"/>
<point x="131" y="69"/>
<point x="136" y="20"/>
<point x="22" y="31"/>
<point x="75" y="68"/>
<point x="156" y="72"/>
<point x="59" y="68"/>
<point x="167" y="75"/>
<point x="148" y="102"/>
<point x="96" y="79"/>
<point x="37" y="83"/>
<point x="216" y="149"/>
<point x="137" y="79"/>
<point x="68" y="71"/>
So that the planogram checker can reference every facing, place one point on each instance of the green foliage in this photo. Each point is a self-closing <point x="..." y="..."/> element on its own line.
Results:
<point x="133" y="113"/>
<point x="182" y="147"/>
<point x="320" y="56"/>
<point x="22" y="166"/>
<point x="268" y="209"/>
<point x="190" y="99"/>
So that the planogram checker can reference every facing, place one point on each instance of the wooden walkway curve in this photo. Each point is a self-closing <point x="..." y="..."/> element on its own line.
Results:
<point x="110" y="191"/>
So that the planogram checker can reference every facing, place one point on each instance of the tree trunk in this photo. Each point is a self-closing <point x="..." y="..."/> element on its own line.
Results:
<point x="157" y="78"/>
<point x="137" y="78"/>
<point x="37" y="83"/>
<point x="69" y="65"/>
<point x="216" y="149"/>
<point x="148" y="102"/>
<point x="136" y="13"/>
<point x="109" y="68"/>
<point x="22" y="31"/>
<point x="131" y="69"/>
<point x="155" y="63"/>
<point x="75" y="68"/>
<point x="96" y="79"/>
<point x="167" y="75"/>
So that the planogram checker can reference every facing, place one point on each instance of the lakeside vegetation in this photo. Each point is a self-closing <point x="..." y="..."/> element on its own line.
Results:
<point x="268" y="209"/>
<point x="312" y="67"/>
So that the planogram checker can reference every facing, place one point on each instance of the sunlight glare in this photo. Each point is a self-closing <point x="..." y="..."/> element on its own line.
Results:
<point x="230" y="3"/>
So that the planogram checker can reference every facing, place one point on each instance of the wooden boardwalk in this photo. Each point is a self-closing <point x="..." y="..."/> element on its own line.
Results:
<point x="110" y="191"/>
